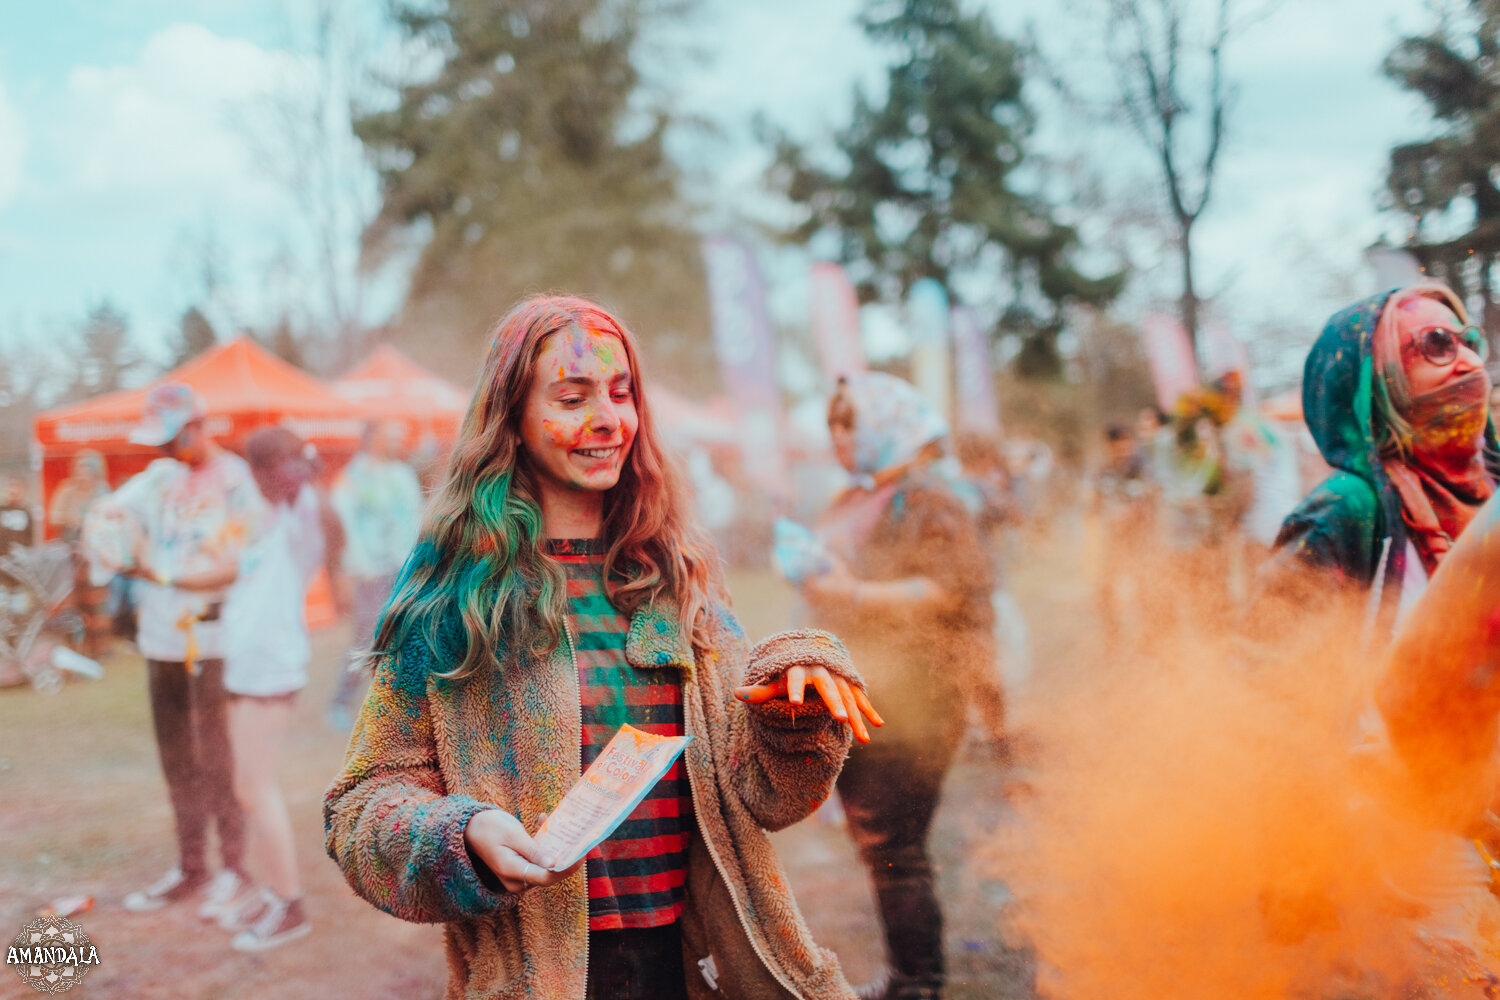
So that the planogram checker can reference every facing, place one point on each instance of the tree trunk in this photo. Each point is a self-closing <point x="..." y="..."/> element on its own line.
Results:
<point x="1188" y="303"/>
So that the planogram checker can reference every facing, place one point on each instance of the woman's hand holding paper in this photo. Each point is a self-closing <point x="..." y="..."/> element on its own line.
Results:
<point x="499" y="840"/>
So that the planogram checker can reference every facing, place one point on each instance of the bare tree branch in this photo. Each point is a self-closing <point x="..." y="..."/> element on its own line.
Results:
<point x="1157" y="50"/>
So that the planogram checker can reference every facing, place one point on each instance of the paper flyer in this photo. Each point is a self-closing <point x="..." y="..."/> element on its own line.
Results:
<point x="614" y="784"/>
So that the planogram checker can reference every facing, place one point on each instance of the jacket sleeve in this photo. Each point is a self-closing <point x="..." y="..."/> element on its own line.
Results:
<point x="1329" y="538"/>
<point x="787" y="756"/>
<point x="387" y="819"/>
<point x="1324" y="561"/>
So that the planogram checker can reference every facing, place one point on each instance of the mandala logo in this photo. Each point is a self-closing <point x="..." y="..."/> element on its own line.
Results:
<point x="52" y="954"/>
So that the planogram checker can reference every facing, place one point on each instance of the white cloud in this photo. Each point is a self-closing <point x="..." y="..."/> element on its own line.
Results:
<point x="12" y="148"/>
<point x="163" y="126"/>
<point x="132" y="159"/>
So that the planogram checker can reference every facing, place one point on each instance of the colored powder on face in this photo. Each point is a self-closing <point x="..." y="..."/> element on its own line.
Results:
<point x="566" y="434"/>
<point x="577" y="340"/>
<point x="603" y="346"/>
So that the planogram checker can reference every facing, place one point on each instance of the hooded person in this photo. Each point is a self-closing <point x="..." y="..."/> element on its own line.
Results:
<point x="1397" y="399"/>
<point x="908" y="589"/>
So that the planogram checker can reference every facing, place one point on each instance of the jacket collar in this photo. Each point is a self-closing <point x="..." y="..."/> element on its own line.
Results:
<point x="656" y="638"/>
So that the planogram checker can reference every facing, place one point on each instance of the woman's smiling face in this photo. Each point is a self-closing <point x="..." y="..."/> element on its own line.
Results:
<point x="580" y="418"/>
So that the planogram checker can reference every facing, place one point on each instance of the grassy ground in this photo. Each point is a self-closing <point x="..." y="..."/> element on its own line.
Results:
<point x="83" y="810"/>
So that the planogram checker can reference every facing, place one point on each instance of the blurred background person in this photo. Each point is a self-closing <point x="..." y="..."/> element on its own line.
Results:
<point x="192" y="510"/>
<point x="984" y="470"/>
<point x="1123" y="509"/>
<point x="378" y="498"/>
<point x="86" y="483"/>
<point x="1154" y="437"/>
<point x="713" y="499"/>
<point x="16" y="526"/>
<point x="909" y="592"/>
<point x="265" y="664"/>
<point x="1264" y="463"/>
<point x="1199" y="507"/>
<point x="16" y="530"/>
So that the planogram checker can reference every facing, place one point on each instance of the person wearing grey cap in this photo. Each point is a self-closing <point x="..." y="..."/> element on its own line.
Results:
<point x="178" y="528"/>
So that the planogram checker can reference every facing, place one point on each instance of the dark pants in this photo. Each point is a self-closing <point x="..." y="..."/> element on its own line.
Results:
<point x="889" y="792"/>
<point x="192" y="737"/>
<point x="643" y="964"/>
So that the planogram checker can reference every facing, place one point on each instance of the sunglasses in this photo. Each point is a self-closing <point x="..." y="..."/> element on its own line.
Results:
<point x="1440" y="345"/>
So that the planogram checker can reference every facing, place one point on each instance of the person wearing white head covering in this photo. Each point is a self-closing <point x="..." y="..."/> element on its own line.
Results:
<point x="909" y="592"/>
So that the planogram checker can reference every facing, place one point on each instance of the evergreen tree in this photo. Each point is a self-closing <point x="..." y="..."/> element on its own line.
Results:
<point x="195" y="334"/>
<point x="929" y="185"/>
<point x="106" y="354"/>
<point x="1456" y="69"/>
<point x="285" y="344"/>
<point x="530" y="157"/>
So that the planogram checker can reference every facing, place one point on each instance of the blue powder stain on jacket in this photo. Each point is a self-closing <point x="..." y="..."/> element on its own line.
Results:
<point x="721" y="615"/>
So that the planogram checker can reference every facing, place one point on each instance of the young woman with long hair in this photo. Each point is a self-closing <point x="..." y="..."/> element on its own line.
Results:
<point x="266" y="653"/>
<point x="559" y="590"/>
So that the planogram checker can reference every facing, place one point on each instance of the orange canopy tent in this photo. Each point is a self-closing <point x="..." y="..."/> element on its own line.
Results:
<point x="245" y="386"/>
<point x="388" y="385"/>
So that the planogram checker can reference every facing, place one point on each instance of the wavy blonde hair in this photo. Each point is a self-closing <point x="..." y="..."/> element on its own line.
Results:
<point x="480" y="556"/>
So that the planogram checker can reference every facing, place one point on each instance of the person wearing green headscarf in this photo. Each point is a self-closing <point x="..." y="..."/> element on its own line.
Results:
<point x="1397" y="398"/>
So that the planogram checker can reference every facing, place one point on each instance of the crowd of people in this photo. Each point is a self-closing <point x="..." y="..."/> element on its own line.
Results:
<point x="1186" y="508"/>
<point x="204" y="560"/>
<point x="556" y="586"/>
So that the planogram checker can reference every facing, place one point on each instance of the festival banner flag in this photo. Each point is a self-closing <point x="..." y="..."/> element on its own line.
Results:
<point x="835" y="321"/>
<point x="746" y="344"/>
<point x="927" y="316"/>
<point x="974" y="373"/>
<point x="1174" y="370"/>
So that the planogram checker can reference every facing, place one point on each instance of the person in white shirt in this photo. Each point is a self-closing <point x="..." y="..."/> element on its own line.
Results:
<point x="266" y="652"/>
<point x="179" y="527"/>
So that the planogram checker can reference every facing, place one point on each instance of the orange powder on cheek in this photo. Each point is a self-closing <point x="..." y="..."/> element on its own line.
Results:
<point x="565" y="434"/>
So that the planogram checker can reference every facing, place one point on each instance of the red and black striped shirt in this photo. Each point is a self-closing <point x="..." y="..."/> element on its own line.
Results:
<point x="635" y="878"/>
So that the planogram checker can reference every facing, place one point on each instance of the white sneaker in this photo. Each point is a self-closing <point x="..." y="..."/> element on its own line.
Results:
<point x="173" y="887"/>
<point x="280" y="922"/>
<point x="222" y="890"/>
<point x="244" y="910"/>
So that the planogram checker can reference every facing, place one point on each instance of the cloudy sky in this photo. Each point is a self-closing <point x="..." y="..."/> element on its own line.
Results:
<point x="123" y="153"/>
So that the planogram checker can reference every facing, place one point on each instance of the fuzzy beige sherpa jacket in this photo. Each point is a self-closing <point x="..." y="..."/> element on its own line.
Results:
<point x="426" y="754"/>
